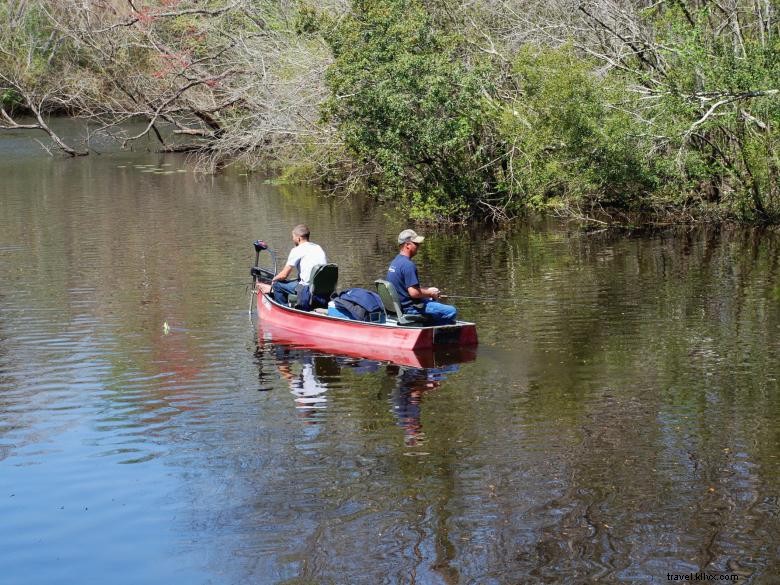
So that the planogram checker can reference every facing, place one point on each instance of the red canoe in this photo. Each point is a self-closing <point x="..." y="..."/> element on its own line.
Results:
<point x="358" y="334"/>
<point x="431" y="357"/>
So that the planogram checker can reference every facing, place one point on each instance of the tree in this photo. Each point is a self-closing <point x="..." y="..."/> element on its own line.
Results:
<point x="573" y="140"/>
<point x="410" y="107"/>
<point x="36" y="76"/>
<point x="708" y="74"/>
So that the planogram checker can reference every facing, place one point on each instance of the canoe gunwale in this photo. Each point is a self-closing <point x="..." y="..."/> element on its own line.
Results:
<point x="390" y="324"/>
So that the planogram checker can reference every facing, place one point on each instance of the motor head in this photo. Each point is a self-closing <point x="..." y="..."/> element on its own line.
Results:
<point x="260" y="245"/>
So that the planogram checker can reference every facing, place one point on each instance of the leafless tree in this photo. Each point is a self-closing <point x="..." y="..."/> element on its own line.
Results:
<point x="231" y="81"/>
<point x="29" y="58"/>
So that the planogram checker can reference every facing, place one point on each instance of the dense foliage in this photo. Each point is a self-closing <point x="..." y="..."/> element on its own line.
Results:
<point x="409" y="106"/>
<point x="573" y="141"/>
<point x="719" y="108"/>
<point x="452" y="109"/>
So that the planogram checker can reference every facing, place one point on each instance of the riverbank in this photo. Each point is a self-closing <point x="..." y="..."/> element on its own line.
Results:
<point x="453" y="112"/>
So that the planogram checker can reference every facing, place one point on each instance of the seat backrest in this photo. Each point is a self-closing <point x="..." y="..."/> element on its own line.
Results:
<point x="389" y="296"/>
<point x="323" y="280"/>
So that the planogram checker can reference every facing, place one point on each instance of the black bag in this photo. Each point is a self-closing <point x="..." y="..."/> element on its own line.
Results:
<point x="307" y="301"/>
<point x="362" y="304"/>
<point x="303" y="295"/>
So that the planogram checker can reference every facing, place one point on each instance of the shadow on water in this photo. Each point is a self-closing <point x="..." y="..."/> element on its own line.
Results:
<point x="357" y="464"/>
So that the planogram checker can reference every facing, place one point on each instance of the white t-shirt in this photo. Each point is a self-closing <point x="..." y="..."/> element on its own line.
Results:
<point x="304" y="257"/>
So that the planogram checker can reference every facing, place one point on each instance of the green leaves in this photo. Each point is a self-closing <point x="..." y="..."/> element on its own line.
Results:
<point x="717" y="104"/>
<point x="451" y="109"/>
<point x="686" y="114"/>
<point x="10" y="98"/>
<point x="571" y="135"/>
<point x="407" y="106"/>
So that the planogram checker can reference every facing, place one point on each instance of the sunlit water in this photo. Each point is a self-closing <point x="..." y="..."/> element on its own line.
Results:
<point x="619" y="422"/>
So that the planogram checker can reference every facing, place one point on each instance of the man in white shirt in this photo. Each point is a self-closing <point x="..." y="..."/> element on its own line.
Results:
<point x="303" y="257"/>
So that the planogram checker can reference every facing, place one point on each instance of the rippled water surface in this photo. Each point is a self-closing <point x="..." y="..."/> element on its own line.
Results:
<point x="619" y="422"/>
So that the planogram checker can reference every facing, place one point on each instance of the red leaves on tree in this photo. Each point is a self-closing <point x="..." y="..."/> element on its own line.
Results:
<point x="173" y="62"/>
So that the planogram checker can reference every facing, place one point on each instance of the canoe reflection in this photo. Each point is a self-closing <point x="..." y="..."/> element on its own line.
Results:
<point x="312" y="371"/>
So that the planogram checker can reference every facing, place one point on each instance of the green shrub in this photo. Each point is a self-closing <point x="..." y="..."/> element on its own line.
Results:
<point x="715" y="100"/>
<point x="572" y="136"/>
<point x="409" y="108"/>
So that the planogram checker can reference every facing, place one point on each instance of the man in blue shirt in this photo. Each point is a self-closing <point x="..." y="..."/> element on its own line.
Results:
<point x="415" y="299"/>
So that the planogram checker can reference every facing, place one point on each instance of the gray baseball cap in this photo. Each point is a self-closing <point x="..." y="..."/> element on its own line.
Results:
<point x="409" y="236"/>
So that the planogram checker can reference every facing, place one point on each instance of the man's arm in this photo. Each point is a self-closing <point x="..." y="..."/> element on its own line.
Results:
<point x="283" y="273"/>
<point x="414" y="289"/>
<point x="420" y="294"/>
<point x="292" y="261"/>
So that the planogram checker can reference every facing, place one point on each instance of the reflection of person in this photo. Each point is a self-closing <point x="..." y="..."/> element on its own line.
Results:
<point x="415" y="299"/>
<point x="309" y="385"/>
<point x="308" y="391"/>
<point x="303" y="257"/>
<point x="408" y="394"/>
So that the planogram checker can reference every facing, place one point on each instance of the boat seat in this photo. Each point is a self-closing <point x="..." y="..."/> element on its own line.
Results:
<point x="392" y="305"/>
<point x="322" y="284"/>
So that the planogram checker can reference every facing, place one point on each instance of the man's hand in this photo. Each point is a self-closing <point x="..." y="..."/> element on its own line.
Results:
<point x="434" y="292"/>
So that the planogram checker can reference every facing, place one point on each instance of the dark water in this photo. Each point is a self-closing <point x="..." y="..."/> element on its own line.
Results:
<point x="619" y="422"/>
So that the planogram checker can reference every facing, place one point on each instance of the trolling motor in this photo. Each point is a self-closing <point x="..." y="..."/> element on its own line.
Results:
<point x="261" y="274"/>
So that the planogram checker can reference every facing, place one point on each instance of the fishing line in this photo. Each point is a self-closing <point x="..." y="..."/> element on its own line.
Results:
<point x="496" y="299"/>
<point x="251" y="299"/>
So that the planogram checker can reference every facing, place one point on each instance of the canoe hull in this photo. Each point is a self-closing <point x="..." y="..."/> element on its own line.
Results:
<point x="355" y="334"/>
<point x="433" y="357"/>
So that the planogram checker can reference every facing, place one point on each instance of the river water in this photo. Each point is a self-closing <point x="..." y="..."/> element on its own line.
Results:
<point x="618" y="423"/>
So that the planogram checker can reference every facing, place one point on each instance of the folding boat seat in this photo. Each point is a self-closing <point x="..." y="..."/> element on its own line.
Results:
<point x="321" y="286"/>
<point x="393" y="305"/>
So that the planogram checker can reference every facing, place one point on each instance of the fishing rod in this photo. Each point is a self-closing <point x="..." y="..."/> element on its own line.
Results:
<point x="498" y="299"/>
<point x="259" y="274"/>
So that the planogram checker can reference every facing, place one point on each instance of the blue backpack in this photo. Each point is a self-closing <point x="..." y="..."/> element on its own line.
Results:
<point x="361" y="304"/>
